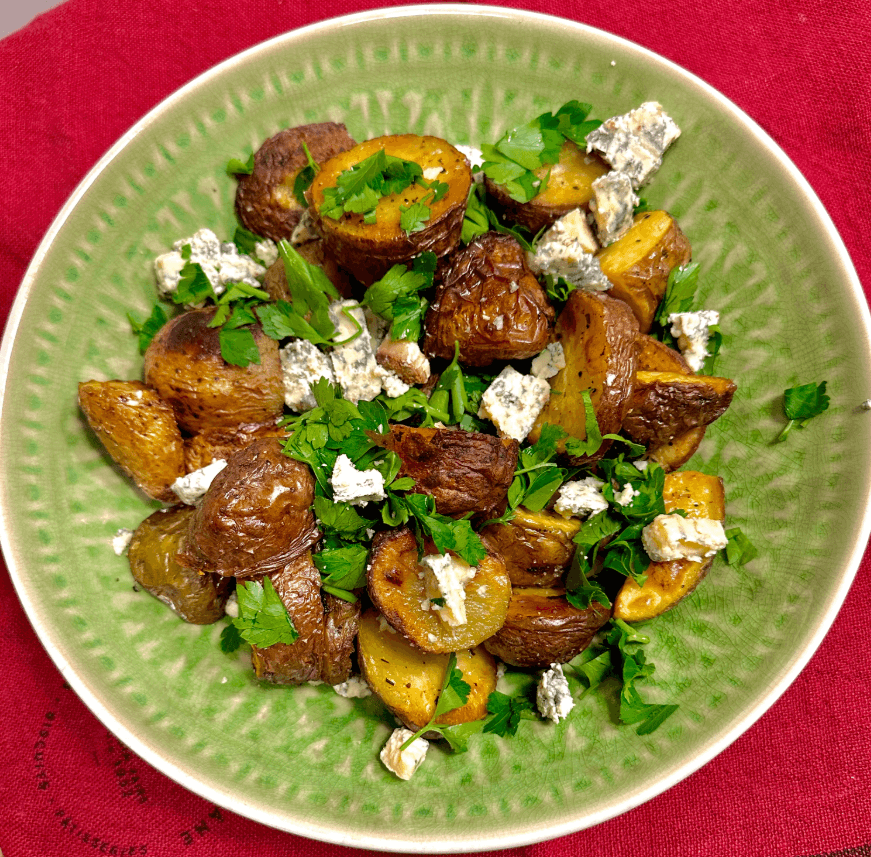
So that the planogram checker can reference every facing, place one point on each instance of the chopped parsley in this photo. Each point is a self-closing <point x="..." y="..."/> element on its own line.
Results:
<point x="236" y="167"/>
<point x="262" y="619"/>
<point x="454" y="694"/>
<point x="396" y="296"/>
<point x="801" y="404"/>
<point x="147" y="330"/>
<point x="305" y="177"/>
<point x="739" y="549"/>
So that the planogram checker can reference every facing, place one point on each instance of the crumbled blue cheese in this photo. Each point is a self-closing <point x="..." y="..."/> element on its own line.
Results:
<point x="566" y="250"/>
<point x="303" y="363"/>
<point x="405" y="359"/>
<point x="190" y="488"/>
<point x="446" y="576"/>
<point x="693" y="330"/>
<point x="354" y="688"/>
<point x="354" y="365"/>
<point x="357" y="487"/>
<point x="549" y="362"/>
<point x="635" y="142"/>
<point x="669" y="537"/>
<point x="613" y="206"/>
<point x="121" y="540"/>
<point x="475" y="158"/>
<point x="642" y="464"/>
<point x="513" y="402"/>
<point x="304" y="231"/>
<point x="266" y="251"/>
<point x="625" y="496"/>
<point x="405" y="762"/>
<point x="553" y="696"/>
<point x="581" y="498"/>
<point x="231" y="608"/>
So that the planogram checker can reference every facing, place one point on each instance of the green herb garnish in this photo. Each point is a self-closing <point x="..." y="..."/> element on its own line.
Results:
<point x="801" y="404"/>
<point x="739" y="550"/>
<point x="146" y="330"/>
<point x="305" y="177"/>
<point x="262" y="619"/>
<point x="454" y="694"/>
<point x="235" y="167"/>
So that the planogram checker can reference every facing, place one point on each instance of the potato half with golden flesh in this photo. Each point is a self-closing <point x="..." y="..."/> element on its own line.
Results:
<point x="408" y="681"/>
<point x="656" y="356"/>
<point x="138" y="430"/>
<point x="368" y="250"/>
<point x="397" y="588"/>
<point x="489" y="302"/>
<point x="462" y="471"/>
<point x="700" y="496"/>
<point x="198" y="597"/>
<point x="638" y="264"/>
<point x="598" y="338"/>
<point x="569" y="186"/>
<point x="679" y="450"/>
<point x="536" y="546"/>
<point x="184" y="365"/>
<point x="665" y="405"/>
<point x="542" y="628"/>
<point x="265" y="201"/>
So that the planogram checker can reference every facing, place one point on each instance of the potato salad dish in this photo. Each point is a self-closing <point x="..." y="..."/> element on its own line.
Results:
<point x="422" y="422"/>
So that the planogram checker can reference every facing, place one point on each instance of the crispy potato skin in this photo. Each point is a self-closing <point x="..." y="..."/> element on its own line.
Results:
<point x="184" y="365"/>
<point x="139" y="432"/>
<point x="368" y="250"/>
<point x="491" y="303"/>
<point x="638" y="264"/>
<point x="265" y="202"/>
<point x="679" y="450"/>
<point x="408" y="681"/>
<point x="542" y="628"/>
<point x="212" y="444"/>
<point x="341" y="622"/>
<point x="665" y="405"/>
<point x="397" y="591"/>
<point x="569" y="186"/>
<point x="275" y="281"/>
<point x="700" y="496"/>
<point x="256" y="516"/>
<point x="199" y="598"/>
<point x="598" y="337"/>
<point x="462" y="471"/>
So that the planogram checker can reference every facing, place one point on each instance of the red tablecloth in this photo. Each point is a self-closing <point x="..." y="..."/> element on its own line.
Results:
<point x="797" y="783"/>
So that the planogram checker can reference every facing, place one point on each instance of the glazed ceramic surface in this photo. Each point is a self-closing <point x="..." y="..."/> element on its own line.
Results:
<point x="304" y="759"/>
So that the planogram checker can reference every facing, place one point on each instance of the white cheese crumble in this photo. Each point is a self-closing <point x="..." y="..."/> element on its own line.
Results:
<point x="474" y="156"/>
<point x="635" y="142"/>
<point x="121" y="540"/>
<point x="866" y="405"/>
<point x="513" y="401"/>
<point x="549" y="362"/>
<point x="693" y="330"/>
<point x="613" y="205"/>
<point x="641" y="464"/>
<point x="354" y="486"/>
<point x="303" y="363"/>
<point x="553" y="696"/>
<point x="405" y="762"/>
<point x="566" y="250"/>
<point x="432" y="173"/>
<point x="445" y="577"/>
<point x="231" y="608"/>
<point x="304" y="231"/>
<point x="669" y="537"/>
<point x="625" y="496"/>
<point x="354" y="687"/>
<point x="354" y="365"/>
<point x="190" y="488"/>
<point x="581" y="498"/>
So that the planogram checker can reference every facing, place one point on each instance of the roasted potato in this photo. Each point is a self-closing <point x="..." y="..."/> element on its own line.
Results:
<point x="656" y="356"/>
<point x="598" y="338"/>
<point x="138" y="430"/>
<point x="638" y="264"/>
<point x="275" y="281"/>
<point x="665" y="405"/>
<point x="209" y="445"/>
<point x="256" y="516"/>
<point x="368" y="250"/>
<point x="542" y="628"/>
<point x="184" y="365"/>
<point x="490" y="303"/>
<point x="265" y="202"/>
<point x="569" y="186"/>
<point x="679" y="450"/>
<point x="341" y="623"/>
<point x="535" y="546"/>
<point x="397" y="588"/>
<point x="700" y="496"/>
<point x="462" y="471"/>
<point x="198" y="597"/>
<point x="408" y="680"/>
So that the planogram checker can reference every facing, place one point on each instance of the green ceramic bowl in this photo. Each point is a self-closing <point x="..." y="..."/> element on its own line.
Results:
<point x="306" y="760"/>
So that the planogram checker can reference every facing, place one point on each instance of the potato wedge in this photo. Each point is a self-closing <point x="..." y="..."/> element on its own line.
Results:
<point x="184" y="365"/>
<point x="536" y="546"/>
<point x="638" y="264"/>
<point x="462" y="471"/>
<point x="598" y="338"/>
<point x="569" y="186"/>
<point x="138" y="430"/>
<point x="397" y="589"/>
<point x="664" y="405"/>
<point x="197" y="597"/>
<point x="368" y="250"/>
<point x="700" y="496"/>
<point x="209" y="445"/>
<point x="491" y="303"/>
<point x="408" y="681"/>
<point x="679" y="450"/>
<point x="656" y="356"/>
<point x="265" y="202"/>
<point x="542" y="628"/>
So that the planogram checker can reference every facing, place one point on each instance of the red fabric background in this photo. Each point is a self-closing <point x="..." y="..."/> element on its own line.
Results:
<point x="797" y="783"/>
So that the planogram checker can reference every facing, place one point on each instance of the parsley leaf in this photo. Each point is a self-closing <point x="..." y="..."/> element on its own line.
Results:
<point x="305" y="177"/>
<point x="679" y="293"/>
<point x="246" y="241"/>
<point x="262" y="619"/>
<point x="194" y="286"/>
<point x="146" y="330"/>
<point x="235" y="167"/>
<point x="413" y="217"/>
<point x="507" y="712"/>
<point x="238" y="346"/>
<point x="342" y="569"/>
<point x="739" y="550"/>
<point x="454" y="694"/>
<point x="341" y="519"/>
<point x="395" y="297"/>
<point x="476" y="220"/>
<point x="801" y="404"/>
<point x="230" y="640"/>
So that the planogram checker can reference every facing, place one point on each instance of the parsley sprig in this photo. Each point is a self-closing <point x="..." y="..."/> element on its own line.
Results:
<point x="454" y="693"/>
<point x="262" y="621"/>
<point x="396" y="296"/>
<point x="801" y="404"/>
<point x="305" y="177"/>
<point x="147" y="330"/>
